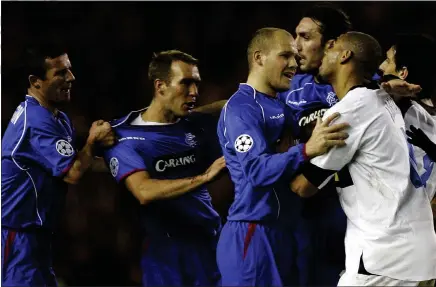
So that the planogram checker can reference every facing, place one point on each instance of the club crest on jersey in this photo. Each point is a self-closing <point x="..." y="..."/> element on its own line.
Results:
<point x="331" y="98"/>
<point x="114" y="165"/>
<point x="243" y="143"/>
<point x="190" y="140"/>
<point x="64" y="148"/>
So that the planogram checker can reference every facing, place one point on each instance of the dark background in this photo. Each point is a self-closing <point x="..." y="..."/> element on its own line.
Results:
<point x="110" y="45"/>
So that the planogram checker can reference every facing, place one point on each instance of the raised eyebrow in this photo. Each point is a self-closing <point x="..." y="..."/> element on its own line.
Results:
<point x="302" y="33"/>
<point x="287" y="53"/>
<point x="189" y="80"/>
<point x="62" y="70"/>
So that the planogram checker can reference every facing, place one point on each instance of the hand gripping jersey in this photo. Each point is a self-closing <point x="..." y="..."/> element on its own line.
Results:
<point x="390" y="225"/>
<point x="309" y="100"/>
<point x="169" y="151"/>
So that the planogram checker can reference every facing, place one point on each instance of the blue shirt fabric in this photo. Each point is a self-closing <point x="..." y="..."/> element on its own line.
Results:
<point x="249" y="127"/>
<point x="38" y="148"/>
<point x="172" y="151"/>
<point x="307" y="100"/>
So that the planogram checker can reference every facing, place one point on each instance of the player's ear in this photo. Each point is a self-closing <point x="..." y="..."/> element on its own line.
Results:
<point x="258" y="58"/>
<point x="346" y="56"/>
<point x="160" y="86"/>
<point x="34" y="81"/>
<point x="403" y="73"/>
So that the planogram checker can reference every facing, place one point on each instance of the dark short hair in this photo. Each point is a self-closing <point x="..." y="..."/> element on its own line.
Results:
<point x="160" y="65"/>
<point x="416" y="52"/>
<point x="332" y="20"/>
<point x="36" y="56"/>
<point x="367" y="52"/>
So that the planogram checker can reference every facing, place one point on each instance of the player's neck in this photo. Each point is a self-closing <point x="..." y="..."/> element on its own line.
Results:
<point x="343" y="82"/>
<point x="157" y="113"/>
<point x="257" y="81"/>
<point x="42" y="101"/>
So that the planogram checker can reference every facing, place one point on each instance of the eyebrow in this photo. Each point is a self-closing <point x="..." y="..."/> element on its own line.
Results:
<point x="189" y="80"/>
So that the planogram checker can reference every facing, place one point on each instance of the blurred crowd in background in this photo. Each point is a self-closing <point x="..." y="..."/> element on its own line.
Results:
<point x="110" y="45"/>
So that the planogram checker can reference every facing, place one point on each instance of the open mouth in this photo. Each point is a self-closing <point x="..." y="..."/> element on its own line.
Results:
<point x="289" y="75"/>
<point x="190" y="105"/>
<point x="66" y="90"/>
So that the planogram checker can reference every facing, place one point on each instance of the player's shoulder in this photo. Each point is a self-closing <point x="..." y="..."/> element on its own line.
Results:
<point x="352" y="103"/>
<point x="424" y="108"/>
<point x="421" y="112"/>
<point x="37" y="116"/>
<point x="242" y="101"/>
<point x="361" y="95"/>
<point x="124" y="121"/>
<point x="299" y="84"/>
<point x="302" y="79"/>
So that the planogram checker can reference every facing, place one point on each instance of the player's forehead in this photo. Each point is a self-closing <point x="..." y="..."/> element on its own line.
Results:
<point x="284" y="42"/>
<point x="59" y="63"/>
<point x="307" y="26"/>
<point x="391" y="53"/>
<point x="182" y="70"/>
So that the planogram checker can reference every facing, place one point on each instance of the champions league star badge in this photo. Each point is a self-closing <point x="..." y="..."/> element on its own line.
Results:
<point x="64" y="148"/>
<point x="244" y="143"/>
<point x="113" y="165"/>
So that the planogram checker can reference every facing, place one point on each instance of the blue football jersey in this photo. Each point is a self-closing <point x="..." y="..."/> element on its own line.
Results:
<point x="170" y="151"/>
<point x="38" y="148"/>
<point x="308" y="100"/>
<point x="249" y="127"/>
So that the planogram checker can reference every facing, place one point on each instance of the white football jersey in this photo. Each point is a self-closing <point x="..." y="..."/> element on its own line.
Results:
<point x="390" y="223"/>
<point x="417" y="116"/>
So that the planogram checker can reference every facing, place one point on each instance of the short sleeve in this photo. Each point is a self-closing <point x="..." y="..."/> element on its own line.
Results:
<point x="123" y="160"/>
<point x="57" y="150"/>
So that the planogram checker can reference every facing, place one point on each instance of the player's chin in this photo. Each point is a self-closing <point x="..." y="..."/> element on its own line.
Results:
<point x="184" y="112"/>
<point x="303" y="67"/>
<point x="284" y="85"/>
<point x="64" y="97"/>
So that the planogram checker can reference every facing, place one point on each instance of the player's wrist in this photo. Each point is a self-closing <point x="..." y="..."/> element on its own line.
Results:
<point x="90" y="141"/>
<point x="308" y="151"/>
<point x="304" y="152"/>
<point x="91" y="146"/>
<point x="203" y="178"/>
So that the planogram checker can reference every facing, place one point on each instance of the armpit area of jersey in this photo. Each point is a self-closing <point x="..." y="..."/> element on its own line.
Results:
<point x="316" y="175"/>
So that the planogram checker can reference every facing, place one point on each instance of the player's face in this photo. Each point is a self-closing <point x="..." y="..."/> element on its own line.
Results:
<point x="309" y="45"/>
<point x="58" y="80"/>
<point x="388" y="67"/>
<point x="182" y="91"/>
<point x="331" y="60"/>
<point x="280" y="64"/>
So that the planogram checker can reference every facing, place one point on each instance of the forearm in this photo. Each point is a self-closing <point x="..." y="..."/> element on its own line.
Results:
<point x="301" y="186"/>
<point x="157" y="189"/>
<point x="212" y="108"/>
<point x="98" y="165"/>
<point x="267" y="169"/>
<point x="82" y="162"/>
